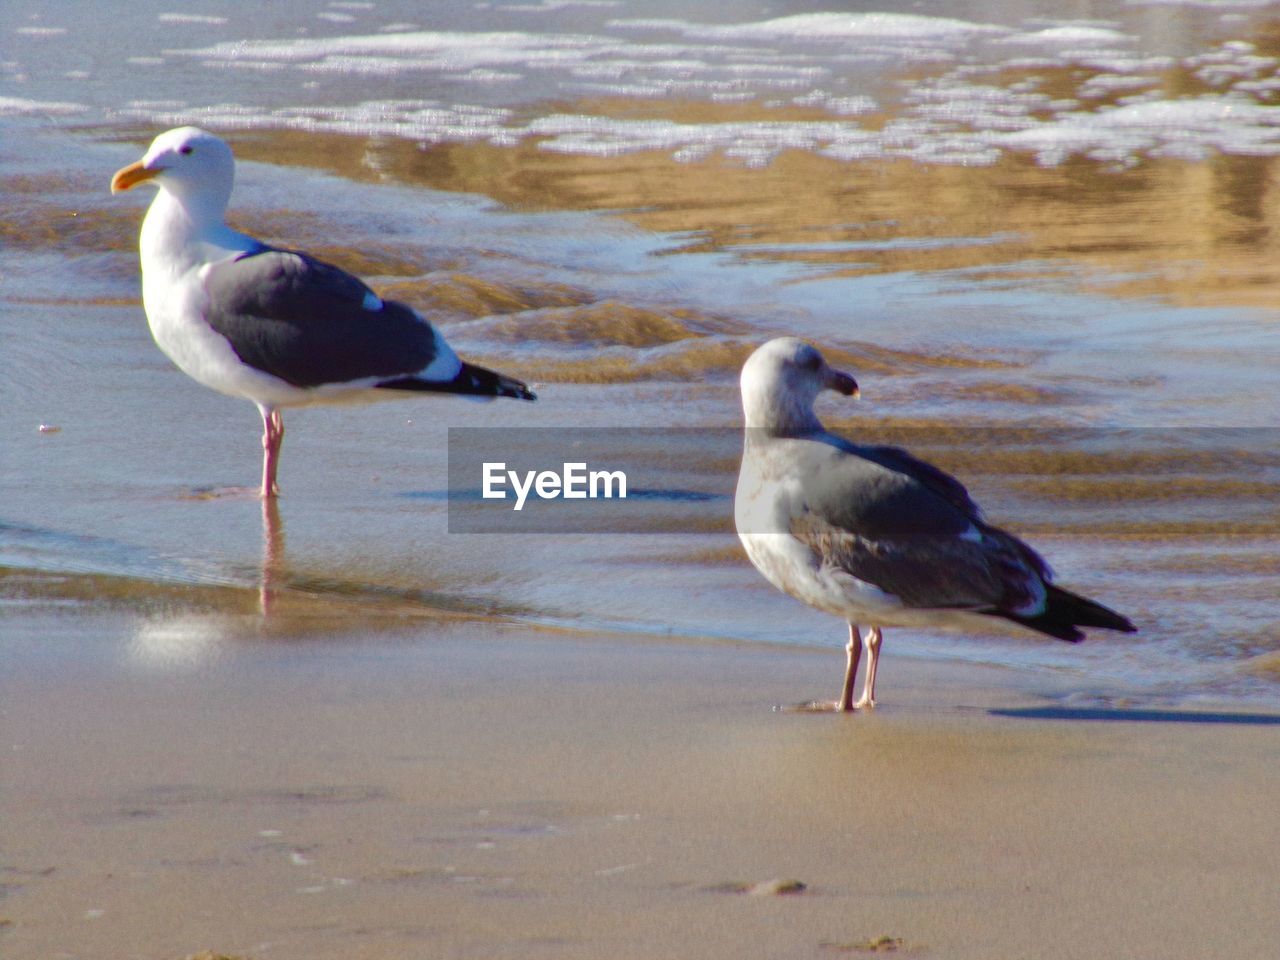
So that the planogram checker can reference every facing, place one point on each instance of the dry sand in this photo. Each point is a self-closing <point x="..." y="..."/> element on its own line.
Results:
<point x="457" y="791"/>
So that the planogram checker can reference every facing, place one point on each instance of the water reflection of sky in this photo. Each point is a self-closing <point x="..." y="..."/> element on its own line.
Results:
<point x="949" y="83"/>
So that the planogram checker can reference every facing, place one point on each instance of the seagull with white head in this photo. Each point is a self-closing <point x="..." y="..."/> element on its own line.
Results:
<point x="277" y="327"/>
<point x="873" y="534"/>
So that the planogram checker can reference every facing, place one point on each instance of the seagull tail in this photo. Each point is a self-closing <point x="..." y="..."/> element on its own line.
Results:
<point x="1065" y="612"/>
<point x="483" y="382"/>
<point x="471" y="381"/>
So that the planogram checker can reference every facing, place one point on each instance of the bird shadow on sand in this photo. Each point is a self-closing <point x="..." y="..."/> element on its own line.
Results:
<point x="1121" y="715"/>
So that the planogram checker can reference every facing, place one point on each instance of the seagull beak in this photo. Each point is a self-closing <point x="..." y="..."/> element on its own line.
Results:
<point x="131" y="176"/>
<point x="842" y="383"/>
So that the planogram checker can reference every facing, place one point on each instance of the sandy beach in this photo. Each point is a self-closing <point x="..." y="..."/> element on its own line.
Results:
<point x="1045" y="247"/>
<point x="464" y="790"/>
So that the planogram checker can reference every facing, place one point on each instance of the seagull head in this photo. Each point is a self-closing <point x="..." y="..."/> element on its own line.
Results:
<point x="190" y="163"/>
<point x="780" y="383"/>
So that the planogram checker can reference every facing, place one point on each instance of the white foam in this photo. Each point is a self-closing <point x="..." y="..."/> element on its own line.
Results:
<point x="837" y="27"/>
<point x="1105" y="84"/>
<point x="547" y="6"/>
<point x="1121" y="63"/>
<point x="843" y="106"/>
<point x="157" y="104"/>
<point x="419" y="120"/>
<point x="447" y="49"/>
<point x="191" y="18"/>
<point x="1187" y="128"/>
<point x="491" y="76"/>
<point x="753" y="141"/>
<point x="264" y="66"/>
<point x="17" y="106"/>
<point x="1263" y="87"/>
<point x="649" y="23"/>
<point x="1207" y="4"/>
<point x="1242" y="68"/>
<point x="967" y="91"/>
<point x="1069" y="34"/>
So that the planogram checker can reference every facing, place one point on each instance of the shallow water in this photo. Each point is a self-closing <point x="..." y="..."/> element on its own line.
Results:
<point x="1043" y="246"/>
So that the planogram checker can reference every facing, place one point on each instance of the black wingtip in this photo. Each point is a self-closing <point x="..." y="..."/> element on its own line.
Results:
<point x="510" y="387"/>
<point x="471" y="381"/>
<point x="1049" y="626"/>
<point x="1066" y="612"/>
<point x="506" y="387"/>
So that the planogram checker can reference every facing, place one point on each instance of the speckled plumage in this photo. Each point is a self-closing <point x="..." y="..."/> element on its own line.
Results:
<point x="873" y="534"/>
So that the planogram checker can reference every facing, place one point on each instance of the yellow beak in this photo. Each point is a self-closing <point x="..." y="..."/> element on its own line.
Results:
<point x="131" y="176"/>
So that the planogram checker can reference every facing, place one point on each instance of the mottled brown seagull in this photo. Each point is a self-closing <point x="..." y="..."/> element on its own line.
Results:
<point x="873" y="534"/>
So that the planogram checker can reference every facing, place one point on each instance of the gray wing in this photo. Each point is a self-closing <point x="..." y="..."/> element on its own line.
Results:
<point x="924" y="474"/>
<point x="910" y="529"/>
<point x="308" y="323"/>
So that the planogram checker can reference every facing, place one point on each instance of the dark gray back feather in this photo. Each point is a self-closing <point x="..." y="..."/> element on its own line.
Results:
<point x="304" y="321"/>
<point x="874" y="491"/>
<point x="926" y="571"/>
<point x="892" y="520"/>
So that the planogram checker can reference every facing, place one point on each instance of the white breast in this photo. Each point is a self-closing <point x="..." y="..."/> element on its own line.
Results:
<point x="763" y="514"/>
<point x="175" y="305"/>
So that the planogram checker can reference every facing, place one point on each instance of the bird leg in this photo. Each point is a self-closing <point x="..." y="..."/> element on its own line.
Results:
<point x="854" y="651"/>
<point x="272" y="437"/>
<point x="872" y="642"/>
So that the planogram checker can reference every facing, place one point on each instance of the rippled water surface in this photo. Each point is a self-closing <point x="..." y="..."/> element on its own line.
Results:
<point x="1044" y="245"/>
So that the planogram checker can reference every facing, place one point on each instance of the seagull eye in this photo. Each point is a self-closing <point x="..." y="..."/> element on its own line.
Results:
<point x="812" y="362"/>
<point x="187" y="150"/>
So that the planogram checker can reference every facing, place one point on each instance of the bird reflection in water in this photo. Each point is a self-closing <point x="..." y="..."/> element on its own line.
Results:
<point x="189" y="639"/>
<point x="271" y="579"/>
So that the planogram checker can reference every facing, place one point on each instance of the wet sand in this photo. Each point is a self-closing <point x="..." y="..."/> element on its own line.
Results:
<point x="444" y="789"/>
<point x="349" y="771"/>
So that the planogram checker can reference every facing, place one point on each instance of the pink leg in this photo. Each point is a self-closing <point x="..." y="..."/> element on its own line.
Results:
<point x="272" y="437"/>
<point x="873" y="640"/>
<point x="854" y="651"/>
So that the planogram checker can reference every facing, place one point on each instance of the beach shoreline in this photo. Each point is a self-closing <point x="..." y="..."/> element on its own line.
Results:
<point x="378" y="737"/>
<point x="461" y="789"/>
